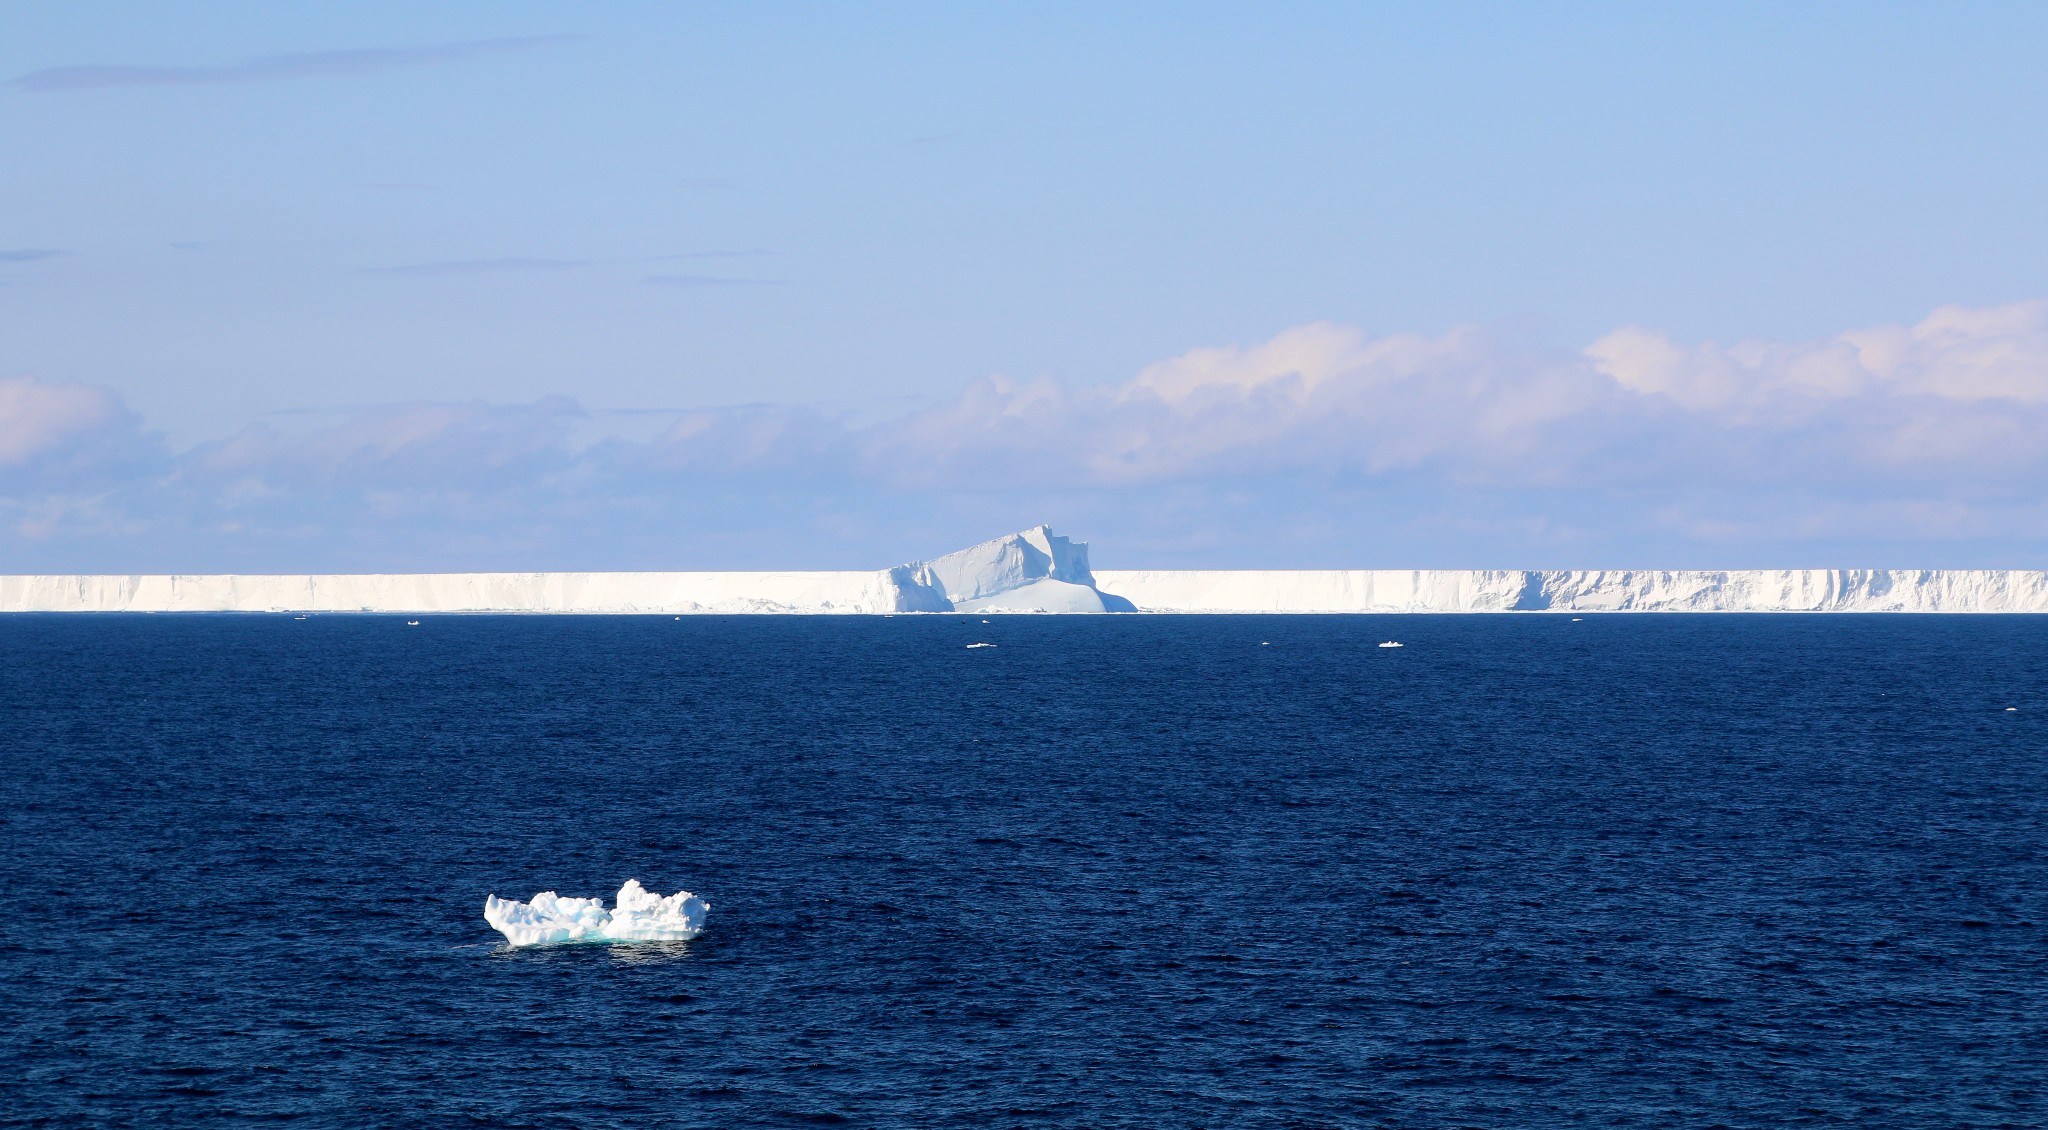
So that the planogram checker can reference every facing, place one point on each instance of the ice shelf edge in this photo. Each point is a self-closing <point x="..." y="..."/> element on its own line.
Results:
<point x="982" y="586"/>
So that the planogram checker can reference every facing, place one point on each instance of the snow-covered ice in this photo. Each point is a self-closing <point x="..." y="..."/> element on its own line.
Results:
<point x="637" y="915"/>
<point x="1036" y="570"/>
<point x="1581" y="590"/>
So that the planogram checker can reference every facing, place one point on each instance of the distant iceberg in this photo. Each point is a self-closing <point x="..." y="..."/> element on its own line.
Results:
<point x="1034" y="570"/>
<point x="637" y="915"/>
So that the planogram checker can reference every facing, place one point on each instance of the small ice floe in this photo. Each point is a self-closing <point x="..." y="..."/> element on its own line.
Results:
<point x="972" y="646"/>
<point x="2012" y="710"/>
<point x="412" y="623"/>
<point x="1393" y="643"/>
<point x="637" y="915"/>
<point x="1265" y="643"/>
<point x="1576" y="619"/>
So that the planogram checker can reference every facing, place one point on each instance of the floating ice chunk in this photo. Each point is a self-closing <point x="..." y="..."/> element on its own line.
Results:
<point x="638" y="915"/>
<point x="972" y="646"/>
<point x="1391" y="643"/>
<point x="548" y="920"/>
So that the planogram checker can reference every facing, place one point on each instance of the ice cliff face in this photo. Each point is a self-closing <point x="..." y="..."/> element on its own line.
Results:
<point x="1641" y="590"/>
<point x="1039" y="571"/>
<point x="1789" y="590"/>
<point x="1032" y="571"/>
<point x="457" y="592"/>
<point x="1322" y="590"/>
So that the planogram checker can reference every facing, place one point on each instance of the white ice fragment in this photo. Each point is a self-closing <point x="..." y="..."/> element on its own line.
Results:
<point x="1391" y="643"/>
<point x="638" y="915"/>
<point x="972" y="646"/>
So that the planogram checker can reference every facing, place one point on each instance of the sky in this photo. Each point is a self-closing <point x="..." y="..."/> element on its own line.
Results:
<point x="402" y="287"/>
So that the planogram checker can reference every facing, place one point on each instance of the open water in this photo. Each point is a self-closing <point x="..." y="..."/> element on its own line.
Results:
<point x="1659" y="871"/>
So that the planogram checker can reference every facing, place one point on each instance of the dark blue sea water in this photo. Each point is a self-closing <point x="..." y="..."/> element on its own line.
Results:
<point x="1131" y="871"/>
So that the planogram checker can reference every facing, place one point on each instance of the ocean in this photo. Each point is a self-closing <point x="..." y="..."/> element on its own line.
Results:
<point x="1131" y="871"/>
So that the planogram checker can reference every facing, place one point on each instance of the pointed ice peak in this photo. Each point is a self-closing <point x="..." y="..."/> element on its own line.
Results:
<point x="1038" y="569"/>
<point x="1009" y="562"/>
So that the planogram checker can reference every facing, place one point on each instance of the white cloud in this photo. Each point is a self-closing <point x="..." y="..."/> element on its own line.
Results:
<point x="1457" y="448"/>
<point x="39" y="419"/>
<point x="1995" y="353"/>
<point x="1962" y="393"/>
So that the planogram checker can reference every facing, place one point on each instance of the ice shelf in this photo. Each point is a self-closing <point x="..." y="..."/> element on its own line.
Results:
<point x="1595" y="590"/>
<point x="1036" y="570"/>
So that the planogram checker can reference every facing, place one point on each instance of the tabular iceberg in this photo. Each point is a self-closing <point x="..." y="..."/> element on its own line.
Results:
<point x="637" y="915"/>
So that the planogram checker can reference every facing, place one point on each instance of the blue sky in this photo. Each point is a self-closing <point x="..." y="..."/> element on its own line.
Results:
<point x="508" y="285"/>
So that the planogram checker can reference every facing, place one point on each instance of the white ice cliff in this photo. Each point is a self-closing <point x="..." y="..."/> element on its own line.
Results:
<point x="1582" y="590"/>
<point x="1032" y="571"/>
<point x="1039" y="571"/>
<point x="637" y="915"/>
<point x="456" y="592"/>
